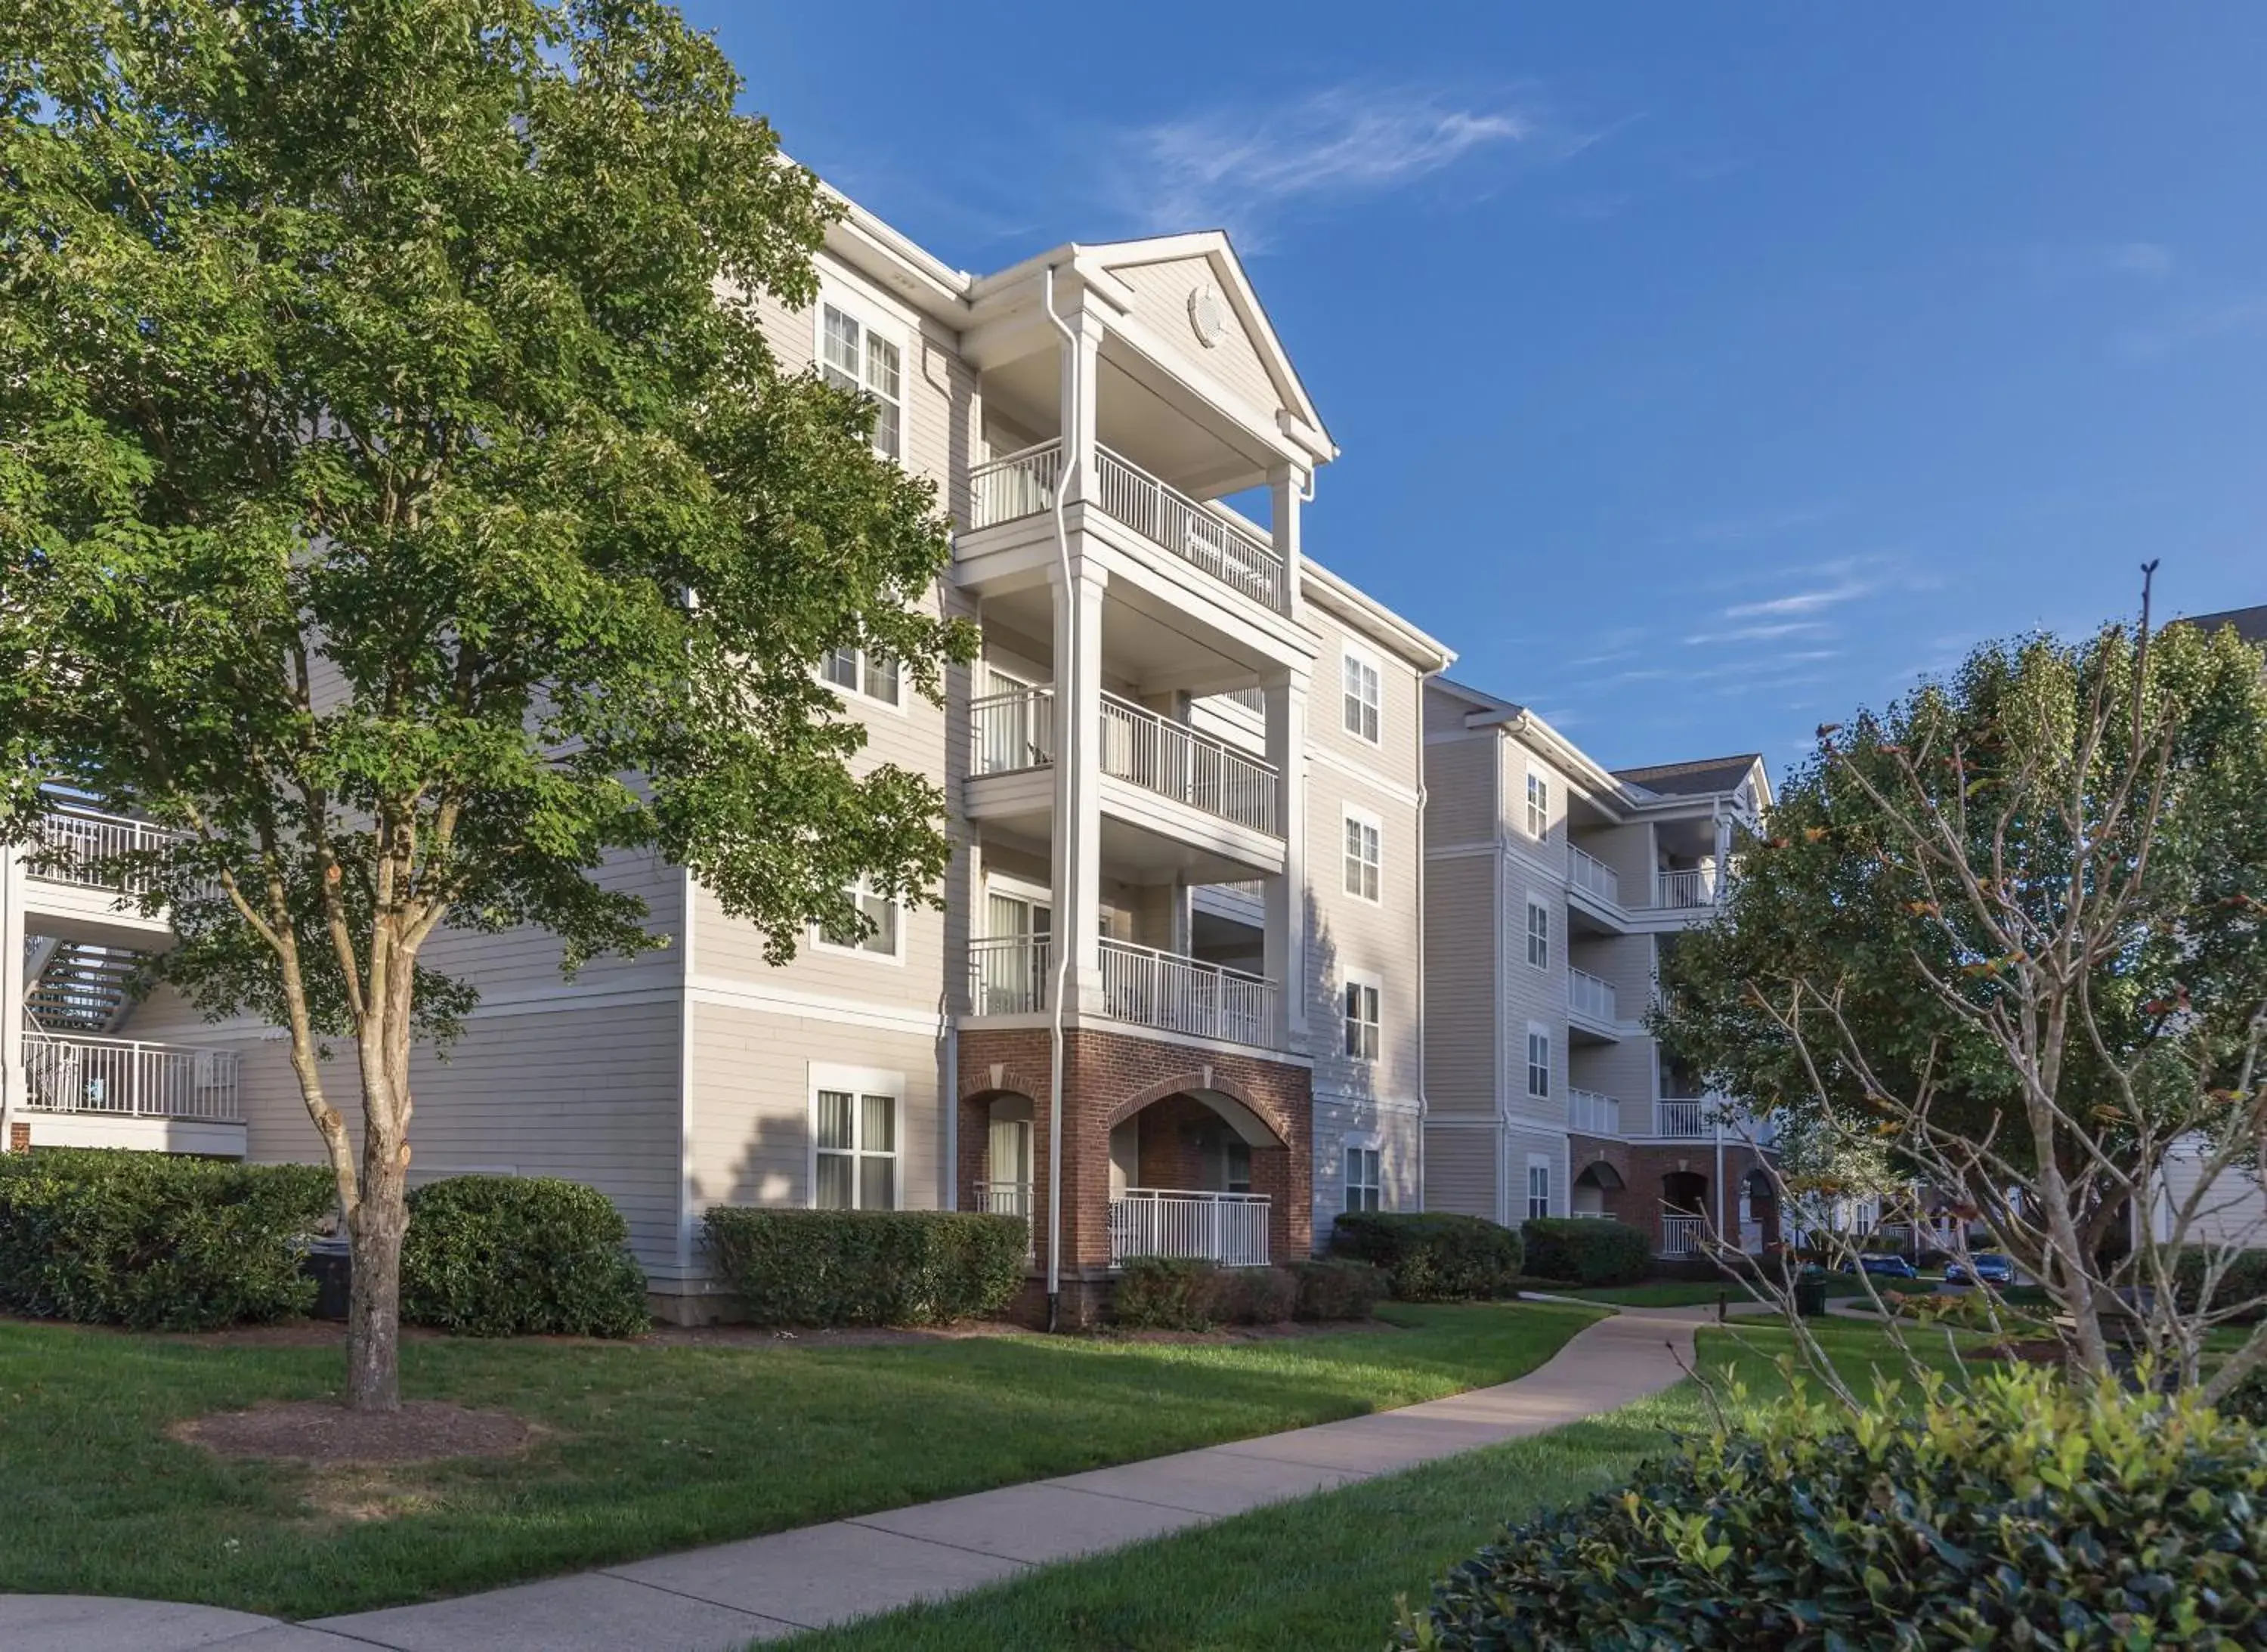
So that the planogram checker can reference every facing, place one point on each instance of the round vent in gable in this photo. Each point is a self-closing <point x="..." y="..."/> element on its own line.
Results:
<point x="1207" y="314"/>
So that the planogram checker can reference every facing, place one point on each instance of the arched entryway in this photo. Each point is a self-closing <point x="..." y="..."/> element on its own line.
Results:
<point x="1759" y="1212"/>
<point x="1010" y="1157"/>
<point x="1684" y="1214"/>
<point x="1595" y="1187"/>
<point x="1198" y="1172"/>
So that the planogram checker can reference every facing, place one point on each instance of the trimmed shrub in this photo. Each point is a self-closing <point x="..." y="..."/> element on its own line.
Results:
<point x="2017" y="1511"/>
<point x="2243" y="1279"/>
<point x="1335" y="1288"/>
<point x="1166" y="1293"/>
<point x="1581" y="1251"/>
<point x="866" y="1267"/>
<point x="1432" y="1256"/>
<point x="505" y="1256"/>
<point x="106" y="1237"/>
<point x="1254" y="1295"/>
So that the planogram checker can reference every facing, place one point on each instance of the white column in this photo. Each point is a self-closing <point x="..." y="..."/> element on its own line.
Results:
<point x="1079" y="356"/>
<point x="1723" y="854"/>
<point x="1286" y="939"/>
<point x="1078" y="775"/>
<point x="12" y="1087"/>
<point x="1286" y="483"/>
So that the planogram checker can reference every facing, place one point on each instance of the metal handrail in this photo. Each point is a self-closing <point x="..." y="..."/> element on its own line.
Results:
<point x="1174" y="760"/>
<point x="1204" y="539"/>
<point x="81" y="1073"/>
<point x="1186" y="994"/>
<point x="1014" y="485"/>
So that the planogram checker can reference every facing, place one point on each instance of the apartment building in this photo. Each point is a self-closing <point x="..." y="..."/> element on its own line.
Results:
<point x="1184" y="780"/>
<point x="1553" y="889"/>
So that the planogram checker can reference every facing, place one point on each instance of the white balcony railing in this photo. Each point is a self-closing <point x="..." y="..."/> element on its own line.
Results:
<point x="1694" y="886"/>
<point x="128" y="1078"/>
<point x="1011" y="730"/>
<point x="1683" y="1235"/>
<point x="1185" y="995"/>
<point x="1007" y="975"/>
<point x="1592" y="1114"/>
<point x="1204" y="539"/>
<point x="1230" y="1228"/>
<point x="1589" y="997"/>
<point x="1011" y="1198"/>
<point x="1592" y="875"/>
<point x="1019" y="484"/>
<point x="80" y="846"/>
<point x="1174" y="760"/>
<point x="1688" y="1119"/>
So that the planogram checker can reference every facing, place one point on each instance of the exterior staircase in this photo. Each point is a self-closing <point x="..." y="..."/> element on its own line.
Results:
<point x="76" y="985"/>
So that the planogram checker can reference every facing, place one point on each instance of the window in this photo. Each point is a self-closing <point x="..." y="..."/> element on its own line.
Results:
<point x="1362" y="699"/>
<point x="1236" y="1165"/>
<point x="1363" y="1184"/>
<point x="1363" y="856"/>
<point x="852" y="356"/>
<point x="854" y="1139"/>
<point x="872" y="675"/>
<point x="881" y="912"/>
<point x="1538" y="934"/>
<point x="1538" y="806"/>
<point x="1539" y="1187"/>
<point x="1538" y="1061"/>
<point x="1361" y="1017"/>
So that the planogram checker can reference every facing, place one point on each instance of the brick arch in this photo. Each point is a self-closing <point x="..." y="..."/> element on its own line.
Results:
<point x="1195" y="1084"/>
<point x="1013" y="1082"/>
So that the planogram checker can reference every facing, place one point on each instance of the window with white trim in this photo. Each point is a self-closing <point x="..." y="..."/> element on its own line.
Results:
<point x="1365" y="1186"/>
<point x="884" y="920"/>
<point x="1362" y="1020"/>
<point x="872" y="675"/>
<point x="1538" y="806"/>
<point x="1363" y="854"/>
<point x="1363" y="697"/>
<point x="1538" y="1061"/>
<point x="853" y="1145"/>
<point x="1538" y="934"/>
<point x="851" y="355"/>
<point x="1538" y="1187"/>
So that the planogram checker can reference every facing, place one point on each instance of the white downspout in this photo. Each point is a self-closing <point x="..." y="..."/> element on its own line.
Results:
<point x="1063" y="943"/>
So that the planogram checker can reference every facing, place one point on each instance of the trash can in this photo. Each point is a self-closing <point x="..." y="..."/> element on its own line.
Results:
<point x="1810" y="1292"/>
<point x="329" y="1262"/>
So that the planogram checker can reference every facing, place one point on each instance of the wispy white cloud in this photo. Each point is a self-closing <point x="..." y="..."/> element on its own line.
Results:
<point x="1236" y="168"/>
<point x="2199" y="324"/>
<point x="1762" y="632"/>
<point x="1809" y="601"/>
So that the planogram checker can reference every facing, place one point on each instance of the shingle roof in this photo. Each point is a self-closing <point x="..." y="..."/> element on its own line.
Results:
<point x="2250" y="623"/>
<point x="1702" y="775"/>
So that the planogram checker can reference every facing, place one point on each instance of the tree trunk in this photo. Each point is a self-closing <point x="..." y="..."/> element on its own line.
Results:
<point x="374" y="1235"/>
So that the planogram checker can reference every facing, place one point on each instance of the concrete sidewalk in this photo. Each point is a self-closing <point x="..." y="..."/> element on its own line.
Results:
<point x="721" y="1599"/>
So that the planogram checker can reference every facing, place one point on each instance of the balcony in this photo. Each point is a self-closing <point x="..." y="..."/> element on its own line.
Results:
<point x="125" y="1078"/>
<point x="1590" y="1113"/>
<point x="1693" y="887"/>
<point x="1012" y="975"/>
<point x="1592" y="1005"/>
<point x="1683" y="1235"/>
<point x="1684" y="1119"/>
<point x="1230" y="1228"/>
<point x="1011" y="1198"/>
<point x="1026" y="483"/>
<point x="1593" y="876"/>
<point x="75" y="885"/>
<point x="1175" y="762"/>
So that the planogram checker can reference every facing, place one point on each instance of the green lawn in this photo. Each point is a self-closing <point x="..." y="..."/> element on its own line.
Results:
<point x="1324" y="1573"/>
<point x="1677" y="1293"/>
<point x="647" y="1449"/>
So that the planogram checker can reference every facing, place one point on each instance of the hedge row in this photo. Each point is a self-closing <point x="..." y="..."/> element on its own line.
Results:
<point x="501" y="1256"/>
<point x="154" y="1242"/>
<point x="1173" y="1293"/>
<point x="1576" y="1251"/>
<point x="1433" y="1256"/>
<point x="2243" y="1279"/>
<point x="2014" y="1510"/>
<point x="866" y="1267"/>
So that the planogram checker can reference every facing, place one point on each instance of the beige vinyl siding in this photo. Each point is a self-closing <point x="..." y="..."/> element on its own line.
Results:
<point x="1531" y="995"/>
<point x="1161" y="301"/>
<point x="1460" y="780"/>
<point x="1460" y="1024"/>
<point x="1345" y="932"/>
<point x="1626" y="961"/>
<point x="1396" y="1132"/>
<point x="751" y="1134"/>
<point x="1628" y="849"/>
<point x="1623" y="1071"/>
<point x="2233" y="1212"/>
<point x="1460" y="1168"/>
<point x="1397" y="755"/>
<point x="1518" y="1145"/>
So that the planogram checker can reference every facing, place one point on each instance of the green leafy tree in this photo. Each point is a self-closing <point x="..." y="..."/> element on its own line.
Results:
<point x="397" y="496"/>
<point x="2013" y="933"/>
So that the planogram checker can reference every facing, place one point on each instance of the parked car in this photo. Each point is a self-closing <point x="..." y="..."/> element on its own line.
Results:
<point x="1987" y="1267"/>
<point x="1887" y="1266"/>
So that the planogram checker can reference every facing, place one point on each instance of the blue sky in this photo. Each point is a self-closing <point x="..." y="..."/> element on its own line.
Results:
<point x="1702" y="372"/>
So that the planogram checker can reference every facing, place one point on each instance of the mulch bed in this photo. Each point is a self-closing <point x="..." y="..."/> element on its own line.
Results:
<point x="324" y="1432"/>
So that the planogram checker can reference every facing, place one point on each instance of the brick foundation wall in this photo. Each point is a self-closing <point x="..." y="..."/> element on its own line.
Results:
<point x="1109" y="1077"/>
<point x="19" y="1136"/>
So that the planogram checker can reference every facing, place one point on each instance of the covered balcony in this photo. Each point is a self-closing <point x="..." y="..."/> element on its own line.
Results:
<point x="1166" y="992"/>
<point x="80" y="881"/>
<point x="1230" y="1228"/>
<point x="1593" y="1006"/>
<point x="84" y="1090"/>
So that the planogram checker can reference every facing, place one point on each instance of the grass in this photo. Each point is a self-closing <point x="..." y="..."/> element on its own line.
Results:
<point x="646" y="1448"/>
<point x="1324" y="1572"/>
<point x="1678" y="1293"/>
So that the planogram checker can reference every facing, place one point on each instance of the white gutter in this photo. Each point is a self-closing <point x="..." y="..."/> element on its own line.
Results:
<point x="1064" y="942"/>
